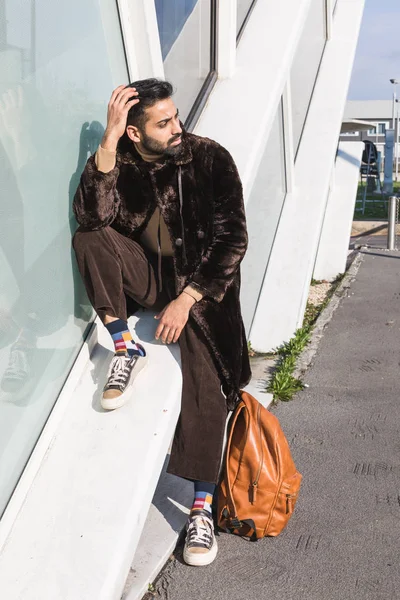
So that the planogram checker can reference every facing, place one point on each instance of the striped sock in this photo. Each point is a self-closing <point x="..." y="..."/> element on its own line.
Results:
<point x="122" y="338"/>
<point x="203" y="497"/>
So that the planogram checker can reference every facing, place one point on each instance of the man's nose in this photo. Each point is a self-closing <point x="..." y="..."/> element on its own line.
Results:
<point x="177" y="129"/>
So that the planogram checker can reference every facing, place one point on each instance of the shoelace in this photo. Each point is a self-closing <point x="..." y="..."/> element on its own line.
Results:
<point x="200" y="532"/>
<point x="119" y="370"/>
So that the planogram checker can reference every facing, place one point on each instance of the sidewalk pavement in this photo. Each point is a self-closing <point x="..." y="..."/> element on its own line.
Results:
<point x="343" y="541"/>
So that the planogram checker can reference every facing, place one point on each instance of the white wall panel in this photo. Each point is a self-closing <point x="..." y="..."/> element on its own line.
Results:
<point x="335" y="236"/>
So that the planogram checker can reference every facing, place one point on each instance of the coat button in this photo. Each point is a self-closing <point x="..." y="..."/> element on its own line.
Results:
<point x="200" y="235"/>
<point x="178" y="242"/>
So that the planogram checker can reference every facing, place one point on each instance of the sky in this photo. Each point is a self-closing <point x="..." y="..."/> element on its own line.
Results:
<point x="378" y="54"/>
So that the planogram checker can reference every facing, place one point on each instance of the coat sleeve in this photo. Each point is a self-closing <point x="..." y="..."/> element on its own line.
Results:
<point x="96" y="200"/>
<point x="229" y="242"/>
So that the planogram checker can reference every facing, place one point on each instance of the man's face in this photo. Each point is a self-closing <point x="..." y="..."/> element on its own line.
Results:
<point x="162" y="131"/>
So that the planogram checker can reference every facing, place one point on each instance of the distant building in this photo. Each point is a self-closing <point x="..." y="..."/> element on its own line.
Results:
<point x="377" y="112"/>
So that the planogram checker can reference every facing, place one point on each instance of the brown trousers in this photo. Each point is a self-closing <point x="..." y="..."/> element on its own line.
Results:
<point x="114" y="267"/>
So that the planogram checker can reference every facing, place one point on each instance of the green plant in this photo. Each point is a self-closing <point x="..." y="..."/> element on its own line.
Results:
<point x="315" y="281"/>
<point x="296" y="345"/>
<point x="284" y="385"/>
<point x="250" y="349"/>
<point x="312" y="313"/>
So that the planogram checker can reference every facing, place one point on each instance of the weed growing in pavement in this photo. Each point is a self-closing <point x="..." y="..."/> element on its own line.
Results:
<point x="283" y="384"/>
<point x="250" y="349"/>
<point x="316" y="281"/>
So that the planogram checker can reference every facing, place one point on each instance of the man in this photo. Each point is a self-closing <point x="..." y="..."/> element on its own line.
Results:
<point x="162" y="225"/>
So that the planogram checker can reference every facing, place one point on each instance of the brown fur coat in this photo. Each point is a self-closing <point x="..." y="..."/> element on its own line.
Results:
<point x="210" y="239"/>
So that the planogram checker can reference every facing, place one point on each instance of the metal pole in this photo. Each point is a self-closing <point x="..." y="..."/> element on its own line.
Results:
<point x="394" y="119"/>
<point x="366" y="180"/>
<point x="391" y="241"/>
<point x="397" y="141"/>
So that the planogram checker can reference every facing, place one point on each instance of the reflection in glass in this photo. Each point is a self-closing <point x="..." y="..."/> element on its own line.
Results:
<point x="185" y="36"/>
<point x="306" y="65"/>
<point x="263" y="211"/>
<point x="243" y="7"/>
<point x="53" y="98"/>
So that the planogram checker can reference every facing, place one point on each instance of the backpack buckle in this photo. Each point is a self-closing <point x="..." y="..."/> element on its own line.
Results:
<point x="235" y="523"/>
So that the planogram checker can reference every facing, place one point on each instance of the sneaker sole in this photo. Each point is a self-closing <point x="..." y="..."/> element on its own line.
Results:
<point x="119" y="401"/>
<point x="200" y="560"/>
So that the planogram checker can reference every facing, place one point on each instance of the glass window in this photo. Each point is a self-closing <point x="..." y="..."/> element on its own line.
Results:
<point x="306" y="65"/>
<point x="186" y="36"/>
<point x="380" y="129"/>
<point x="243" y="9"/>
<point x="55" y="82"/>
<point x="263" y="211"/>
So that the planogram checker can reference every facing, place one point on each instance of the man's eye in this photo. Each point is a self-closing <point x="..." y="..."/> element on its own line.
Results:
<point x="162" y="125"/>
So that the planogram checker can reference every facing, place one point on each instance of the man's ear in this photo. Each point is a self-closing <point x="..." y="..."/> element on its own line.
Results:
<point x="133" y="133"/>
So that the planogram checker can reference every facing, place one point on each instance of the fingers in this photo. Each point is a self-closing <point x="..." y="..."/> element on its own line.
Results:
<point x="115" y="93"/>
<point x="131" y="103"/>
<point x="167" y="334"/>
<point x="158" y="331"/>
<point x="160" y="314"/>
<point x="169" y="338"/>
<point x="124" y="95"/>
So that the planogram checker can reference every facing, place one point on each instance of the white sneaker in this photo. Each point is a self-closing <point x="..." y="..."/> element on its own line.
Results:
<point x="121" y="375"/>
<point x="200" y="546"/>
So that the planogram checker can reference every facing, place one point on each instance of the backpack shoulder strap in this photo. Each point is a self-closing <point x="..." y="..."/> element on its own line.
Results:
<point x="231" y="503"/>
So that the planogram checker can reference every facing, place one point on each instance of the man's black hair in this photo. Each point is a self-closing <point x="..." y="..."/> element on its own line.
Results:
<point x="150" y="91"/>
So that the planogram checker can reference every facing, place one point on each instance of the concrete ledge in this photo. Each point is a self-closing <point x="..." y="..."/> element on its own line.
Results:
<point x="76" y="533"/>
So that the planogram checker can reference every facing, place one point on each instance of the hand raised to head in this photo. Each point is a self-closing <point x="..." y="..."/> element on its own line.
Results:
<point x="121" y="101"/>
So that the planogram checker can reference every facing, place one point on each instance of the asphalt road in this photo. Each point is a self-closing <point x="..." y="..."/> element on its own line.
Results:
<point x="375" y="241"/>
<point x="343" y="542"/>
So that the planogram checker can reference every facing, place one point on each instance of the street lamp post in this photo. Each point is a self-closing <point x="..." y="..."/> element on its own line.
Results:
<point x="397" y="130"/>
<point x="395" y="125"/>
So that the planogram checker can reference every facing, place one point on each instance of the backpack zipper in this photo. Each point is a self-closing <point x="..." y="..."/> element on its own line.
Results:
<point x="289" y="505"/>
<point x="257" y="479"/>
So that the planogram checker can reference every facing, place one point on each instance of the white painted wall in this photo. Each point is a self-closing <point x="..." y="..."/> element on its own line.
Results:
<point x="284" y="296"/>
<point x="240" y="111"/>
<point x="336" y="230"/>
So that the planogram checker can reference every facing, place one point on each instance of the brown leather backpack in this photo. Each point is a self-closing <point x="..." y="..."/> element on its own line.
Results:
<point x="259" y="488"/>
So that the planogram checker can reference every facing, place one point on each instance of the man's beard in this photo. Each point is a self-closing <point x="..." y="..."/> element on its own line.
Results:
<point x="154" y="147"/>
